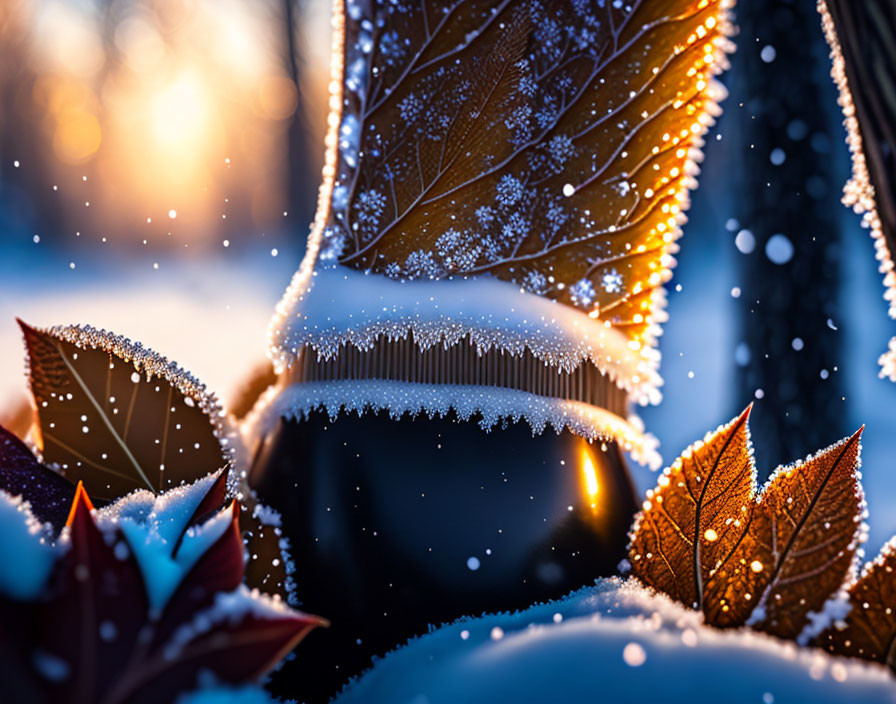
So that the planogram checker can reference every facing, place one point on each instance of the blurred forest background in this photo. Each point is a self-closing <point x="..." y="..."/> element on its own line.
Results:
<point x="159" y="162"/>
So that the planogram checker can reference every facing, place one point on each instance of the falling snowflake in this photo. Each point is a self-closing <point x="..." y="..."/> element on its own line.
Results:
<point x="611" y="281"/>
<point x="582" y="293"/>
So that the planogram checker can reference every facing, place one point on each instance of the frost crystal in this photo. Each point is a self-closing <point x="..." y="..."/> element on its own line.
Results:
<point x="582" y="293"/>
<point x="612" y="281"/>
<point x="510" y="191"/>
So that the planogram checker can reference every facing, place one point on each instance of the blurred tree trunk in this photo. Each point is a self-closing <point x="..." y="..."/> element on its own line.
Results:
<point x="302" y="177"/>
<point x="21" y="137"/>
<point x="787" y="185"/>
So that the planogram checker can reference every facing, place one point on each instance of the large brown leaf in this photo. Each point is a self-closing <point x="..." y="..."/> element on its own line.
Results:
<point x="869" y="629"/>
<point x="546" y="143"/>
<point x="117" y="416"/>
<point x="803" y="538"/>
<point x="695" y="519"/>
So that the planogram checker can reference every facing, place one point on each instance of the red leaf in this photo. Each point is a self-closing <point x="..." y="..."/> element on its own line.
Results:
<point x="97" y="607"/>
<point x="220" y="569"/>
<point x="234" y="650"/>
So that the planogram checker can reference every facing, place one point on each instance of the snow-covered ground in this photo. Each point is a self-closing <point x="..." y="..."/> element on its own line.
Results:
<point x="614" y="642"/>
<point x="210" y="315"/>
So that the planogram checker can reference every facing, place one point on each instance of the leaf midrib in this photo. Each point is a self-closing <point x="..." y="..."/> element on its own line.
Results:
<point x="805" y="517"/>
<point x="108" y="423"/>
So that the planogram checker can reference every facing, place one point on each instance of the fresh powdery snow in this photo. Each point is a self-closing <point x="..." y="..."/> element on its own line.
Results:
<point x="614" y="642"/>
<point x="25" y="550"/>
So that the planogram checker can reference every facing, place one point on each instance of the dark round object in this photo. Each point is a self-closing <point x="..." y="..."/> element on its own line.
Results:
<point x="399" y="525"/>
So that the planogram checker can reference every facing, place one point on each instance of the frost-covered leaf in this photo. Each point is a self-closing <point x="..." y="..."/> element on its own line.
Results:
<point x="241" y="637"/>
<point x="49" y="494"/>
<point x="802" y="541"/>
<point x="869" y="629"/>
<point x="117" y="416"/>
<point x="218" y="569"/>
<point x="548" y="144"/>
<point x="773" y="561"/>
<point x="694" y="520"/>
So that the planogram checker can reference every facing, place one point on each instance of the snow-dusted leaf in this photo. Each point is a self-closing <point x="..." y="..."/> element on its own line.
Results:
<point x="49" y="494"/>
<point x="772" y="561"/>
<point x="549" y="144"/>
<point x="802" y="540"/>
<point x="129" y="617"/>
<point x="239" y="639"/>
<point x="869" y="629"/>
<point x="117" y="416"/>
<point x="218" y="569"/>
<point x="696" y="517"/>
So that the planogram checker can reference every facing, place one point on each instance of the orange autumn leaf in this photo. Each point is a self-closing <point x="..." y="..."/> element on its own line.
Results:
<point x="771" y="560"/>
<point x="545" y="144"/>
<point x="868" y="631"/>
<point x="804" y="535"/>
<point x="695" y="519"/>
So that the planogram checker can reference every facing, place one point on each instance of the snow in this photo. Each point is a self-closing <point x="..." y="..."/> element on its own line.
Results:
<point x="495" y="404"/>
<point x="162" y="571"/>
<point x="344" y="306"/>
<point x="26" y="555"/>
<point x="615" y="642"/>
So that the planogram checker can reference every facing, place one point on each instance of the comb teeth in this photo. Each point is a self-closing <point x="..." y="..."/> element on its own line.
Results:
<point x="461" y="364"/>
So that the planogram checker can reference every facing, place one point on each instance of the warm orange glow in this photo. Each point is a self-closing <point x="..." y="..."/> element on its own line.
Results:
<point x="179" y="113"/>
<point x="183" y="106"/>
<point x="77" y="136"/>
<point x="592" y="488"/>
